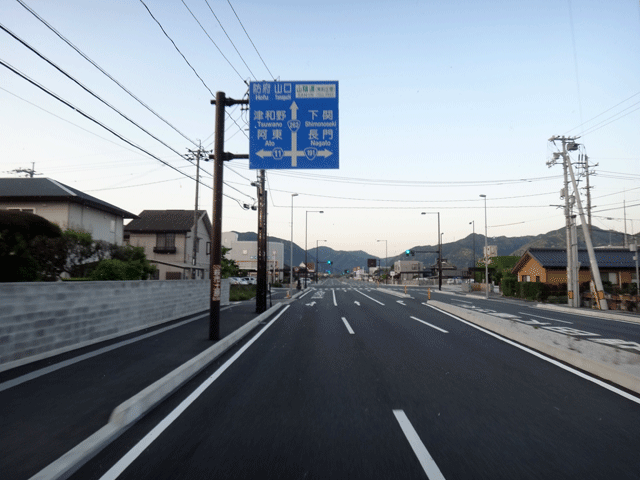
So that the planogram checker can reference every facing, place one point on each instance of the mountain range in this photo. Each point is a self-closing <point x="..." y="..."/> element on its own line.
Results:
<point x="459" y="253"/>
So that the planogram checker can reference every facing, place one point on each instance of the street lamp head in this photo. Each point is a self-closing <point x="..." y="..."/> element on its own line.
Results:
<point x="320" y="211"/>
<point x="294" y="194"/>
<point x="483" y="196"/>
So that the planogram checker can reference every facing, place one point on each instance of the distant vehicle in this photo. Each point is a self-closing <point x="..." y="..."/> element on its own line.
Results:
<point x="237" y="281"/>
<point x="305" y="282"/>
<point x="250" y="280"/>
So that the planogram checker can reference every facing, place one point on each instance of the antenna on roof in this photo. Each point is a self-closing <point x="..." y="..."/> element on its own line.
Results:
<point x="28" y="172"/>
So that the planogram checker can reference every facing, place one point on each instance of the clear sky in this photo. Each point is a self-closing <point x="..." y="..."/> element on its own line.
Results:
<point x="440" y="102"/>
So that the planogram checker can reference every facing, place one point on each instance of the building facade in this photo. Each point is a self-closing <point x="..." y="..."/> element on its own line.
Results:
<point x="167" y="237"/>
<point x="549" y="265"/>
<point x="245" y="254"/>
<point x="65" y="206"/>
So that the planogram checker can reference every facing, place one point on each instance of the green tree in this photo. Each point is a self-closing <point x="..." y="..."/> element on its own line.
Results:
<point x="229" y="268"/>
<point x="18" y="230"/>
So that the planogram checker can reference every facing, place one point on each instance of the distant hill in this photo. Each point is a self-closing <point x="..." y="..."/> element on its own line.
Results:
<point x="459" y="253"/>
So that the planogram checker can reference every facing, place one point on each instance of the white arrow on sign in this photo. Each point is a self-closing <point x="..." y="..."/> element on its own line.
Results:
<point x="309" y="152"/>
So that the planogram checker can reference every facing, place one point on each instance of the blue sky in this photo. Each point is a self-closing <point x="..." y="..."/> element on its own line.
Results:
<point x="439" y="102"/>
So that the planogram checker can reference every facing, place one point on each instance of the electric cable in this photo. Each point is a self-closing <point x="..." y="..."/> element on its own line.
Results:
<point x="214" y="43"/>
<point x="89" y="91"/>
<point x="254" y="45"/>
<point x="86" y="57"/>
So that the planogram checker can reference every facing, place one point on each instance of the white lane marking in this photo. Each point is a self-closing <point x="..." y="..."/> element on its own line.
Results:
<point x="334" y="298"/>
<point x="428" y="464"/>
<point x="311" y="304"/>
<point x="545" y="318"/>
<point x="122" y="464"/>
<point x="369" y="297"/>
<point x="356" y="302"/>
<point x="304" y="294"/>
<point x="401" y="302"/>
<point x="543" y="357"/>
<point x="346" y="324"/>
<point x="432" y="326"/>
<point x="65" y="363"/>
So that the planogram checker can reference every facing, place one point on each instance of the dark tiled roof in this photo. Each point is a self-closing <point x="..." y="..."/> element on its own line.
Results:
<point x="606" y="257"/>
<point x="165" y="221"/>
<point x="47" y="189"/>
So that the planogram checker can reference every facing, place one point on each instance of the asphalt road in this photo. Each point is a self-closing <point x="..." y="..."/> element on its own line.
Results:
<point x="350" y="382"/>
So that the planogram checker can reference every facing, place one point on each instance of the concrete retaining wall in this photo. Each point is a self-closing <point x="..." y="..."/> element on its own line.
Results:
<point x="39" y="320"/>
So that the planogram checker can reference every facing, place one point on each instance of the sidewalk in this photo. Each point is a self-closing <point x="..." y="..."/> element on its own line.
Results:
<point x="42" y="418"/>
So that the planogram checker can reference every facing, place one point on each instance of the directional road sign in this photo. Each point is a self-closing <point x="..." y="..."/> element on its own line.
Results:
<point x="293" y="125"/>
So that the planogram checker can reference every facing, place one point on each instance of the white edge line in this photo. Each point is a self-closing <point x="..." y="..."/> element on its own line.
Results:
<point x="122" y="464"/>
<point x="544" y="357"/>
<point x="426" y="460"/>
<point x="346" y="324"/>
<point x="369" y="297"/>
<point x="432" y="326"/>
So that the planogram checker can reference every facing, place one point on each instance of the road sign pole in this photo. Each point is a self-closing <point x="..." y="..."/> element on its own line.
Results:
<point x="216" y="241"/>
<point x="261" y="287"/>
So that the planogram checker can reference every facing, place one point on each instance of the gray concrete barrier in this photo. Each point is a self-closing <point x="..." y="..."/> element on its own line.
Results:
<point x="42" y="319"/>
<point x="133" y="409"/>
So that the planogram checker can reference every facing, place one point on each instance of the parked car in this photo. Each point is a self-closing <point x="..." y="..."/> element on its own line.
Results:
<point x="237" y="281"/>
<point x="250" y="280"/>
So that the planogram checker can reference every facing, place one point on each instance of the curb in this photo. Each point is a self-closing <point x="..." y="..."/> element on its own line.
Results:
<point x="128" y="412"/>
<point x="397" y="294"/>
<point x="598" y="368"/>
<point x="609" y="315"/>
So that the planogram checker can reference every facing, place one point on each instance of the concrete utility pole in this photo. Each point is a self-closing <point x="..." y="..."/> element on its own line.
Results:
<point x="568" y="144"/>
<point x="219" y="156"/>
<point x="194" y="253"/>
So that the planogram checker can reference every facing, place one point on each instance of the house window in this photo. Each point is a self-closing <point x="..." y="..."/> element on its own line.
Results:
<point x="537" y="279"/>
<point x="173" y="275"/>
<point x="165" y="243"/>
<point x="198" y="245"/>
<point x="526" y="278"/>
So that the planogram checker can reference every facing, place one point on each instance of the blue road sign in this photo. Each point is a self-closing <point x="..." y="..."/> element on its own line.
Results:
<point x="293" y="125"/>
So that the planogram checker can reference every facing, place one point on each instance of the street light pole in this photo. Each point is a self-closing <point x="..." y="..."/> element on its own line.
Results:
<point x="439" y="252"/>
<point x="317" y="259"/>
<point x="385" y="259"/>
<point x="486" y="258"/>
<point x="474" y="248"/>
<point x="306" y="224"/>
<point x="291" y="248"/>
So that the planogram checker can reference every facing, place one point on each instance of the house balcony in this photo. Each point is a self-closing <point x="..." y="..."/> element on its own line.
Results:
<point x="166" y="250"/>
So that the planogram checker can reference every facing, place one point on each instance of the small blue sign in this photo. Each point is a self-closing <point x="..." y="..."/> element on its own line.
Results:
<point x="293" y="125"/>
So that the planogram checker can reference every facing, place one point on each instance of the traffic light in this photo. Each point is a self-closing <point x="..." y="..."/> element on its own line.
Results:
<point x="407" y="252"/>
<point x="329" y="262"/>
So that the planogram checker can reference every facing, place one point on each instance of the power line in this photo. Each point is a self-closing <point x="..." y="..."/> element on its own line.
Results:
<point x="87" y="116"/>
<point x="86" y="89"/>
<point x="214" y="43"/>
<point x="176" y="47"/>
<point x="254" y="46"/>
<point x="225" y="32"/>
<point x="83" y="55"/>
<point x="607" y="110"/>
